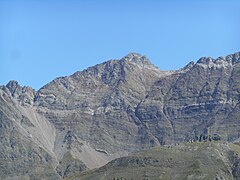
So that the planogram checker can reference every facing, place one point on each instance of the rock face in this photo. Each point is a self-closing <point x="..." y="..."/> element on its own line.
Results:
<point x="115" y="108"/>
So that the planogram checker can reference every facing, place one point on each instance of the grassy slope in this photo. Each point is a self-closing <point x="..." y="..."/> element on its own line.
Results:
<point x="205" y="160"/>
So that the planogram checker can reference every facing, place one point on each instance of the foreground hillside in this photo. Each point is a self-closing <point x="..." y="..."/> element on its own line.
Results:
<point x="85" y="120"/>
<point x="204" y="160"/>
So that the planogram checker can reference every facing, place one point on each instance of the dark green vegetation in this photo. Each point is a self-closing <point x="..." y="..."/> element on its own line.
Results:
<point x="110" y="110"/>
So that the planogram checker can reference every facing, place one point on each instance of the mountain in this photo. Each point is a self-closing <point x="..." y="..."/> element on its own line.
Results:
<point x="107" y="111"/>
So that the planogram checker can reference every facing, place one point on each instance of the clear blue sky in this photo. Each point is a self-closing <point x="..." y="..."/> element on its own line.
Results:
<point x="44" y="39"/>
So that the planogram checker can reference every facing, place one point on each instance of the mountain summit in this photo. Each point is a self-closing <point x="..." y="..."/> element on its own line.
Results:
<point x="85" y="120"/>
<point x="137" y="58"/>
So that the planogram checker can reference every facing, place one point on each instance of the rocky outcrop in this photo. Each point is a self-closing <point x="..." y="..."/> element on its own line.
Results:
<point x="24" y="95"/>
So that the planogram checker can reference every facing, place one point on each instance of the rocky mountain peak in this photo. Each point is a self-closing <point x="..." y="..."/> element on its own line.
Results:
<point x="137" y="58"/>
<point x="232" y="58"/>
<point x="205" y="60"/>
<point x="12" y="86"/>
<point x="24" y="94"/>
<point x="220" y="62"/>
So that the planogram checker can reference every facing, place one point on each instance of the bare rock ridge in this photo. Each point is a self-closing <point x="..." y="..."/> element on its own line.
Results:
<point x="232" y="58"/>
<point x="85" y="120"/>
<point x="25" y="95"/>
